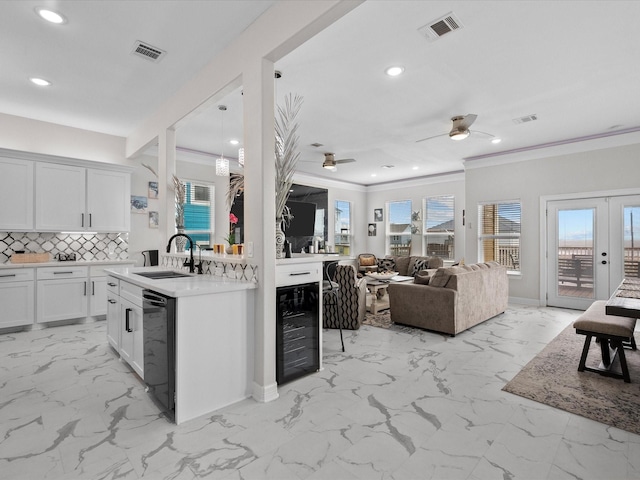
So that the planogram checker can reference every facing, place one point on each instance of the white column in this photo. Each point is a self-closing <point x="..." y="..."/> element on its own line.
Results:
<point x="166" y="196"/>
<point x="259" y="211"/>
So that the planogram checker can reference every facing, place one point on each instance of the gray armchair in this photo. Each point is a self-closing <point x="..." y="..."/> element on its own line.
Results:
<point x="348" y="310"/>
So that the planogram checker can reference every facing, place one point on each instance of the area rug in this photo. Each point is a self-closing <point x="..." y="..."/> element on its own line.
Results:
<point x="381" y="319"/>
<point x="552" y="378"/>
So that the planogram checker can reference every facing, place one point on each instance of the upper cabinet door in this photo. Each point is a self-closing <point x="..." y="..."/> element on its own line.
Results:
<point x="60" y="198"/>
<point x="16" y="195"/>
<point x="108" y="201"/>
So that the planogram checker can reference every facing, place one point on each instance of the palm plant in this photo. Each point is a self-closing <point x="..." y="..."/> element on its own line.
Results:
<point x="286" y="151"/>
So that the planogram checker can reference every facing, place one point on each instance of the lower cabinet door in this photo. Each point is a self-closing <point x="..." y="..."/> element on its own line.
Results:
<point x="18" y="301"/>
<point x="98" y="296"/>
<point x="131" y="347"/>
<point x="113" y="320"/>
<point x="61" y="299"/>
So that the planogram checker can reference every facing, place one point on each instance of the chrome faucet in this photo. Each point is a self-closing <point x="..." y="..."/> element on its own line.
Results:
<point x="191" y="263"/>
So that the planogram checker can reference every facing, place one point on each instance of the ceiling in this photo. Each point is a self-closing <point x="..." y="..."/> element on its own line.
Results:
<point x="572" y="64"/>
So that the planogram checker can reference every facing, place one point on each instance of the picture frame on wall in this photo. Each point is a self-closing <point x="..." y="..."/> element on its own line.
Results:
<point x="377" y="215"/>
<point x="154" y="219"/>
<point x="139" y="204"/>
<point x="372" y="230"/>
<point x="153" y="190"/>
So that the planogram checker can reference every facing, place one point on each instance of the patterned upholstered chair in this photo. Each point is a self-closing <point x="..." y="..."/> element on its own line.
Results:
<point x="350" y="308"/>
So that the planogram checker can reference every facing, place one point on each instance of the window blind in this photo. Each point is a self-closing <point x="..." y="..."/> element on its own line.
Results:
<point x="499" y="233"/>
<point x="439" y="226"/>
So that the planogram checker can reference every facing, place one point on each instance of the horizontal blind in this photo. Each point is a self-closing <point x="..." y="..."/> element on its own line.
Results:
<point x="439" y="226"/>
<point x="499" y="233"/>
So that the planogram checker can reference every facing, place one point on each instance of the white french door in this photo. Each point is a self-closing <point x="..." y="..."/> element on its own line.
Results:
<point x="592" y="244"/>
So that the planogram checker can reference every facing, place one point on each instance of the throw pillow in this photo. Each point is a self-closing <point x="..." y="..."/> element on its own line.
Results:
<point x="440" y="278"/>
<point x="368" y="261"/>
<point x="422" y="278"/>
<point x="418" y="265"/>
<point x="386" y="264"/>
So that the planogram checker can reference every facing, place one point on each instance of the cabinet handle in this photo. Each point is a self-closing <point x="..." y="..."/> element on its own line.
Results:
<point x="85" y="289"/>
<point x="111" y="284"/>
<point x="62" y="273"/>
<point x="8" y="275"/>
<point x="299" y="273"/>
<point x="112" y="301"/>
<point x="93" y="287"/>
<point x="126" y="321"/>
<point x="89" y="219"/>
<point x="82" y="221"/>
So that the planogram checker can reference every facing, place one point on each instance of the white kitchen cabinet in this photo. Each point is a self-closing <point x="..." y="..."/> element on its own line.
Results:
<point x="131" y="346"/>
<point x="16" y="191"/>
<point x="60" y="197"/>
<point x="97" y="296"/>
<point x="113" y="312"/>
<point x="61" y="293"/>
<point x="74" y="198"/>
<point x="17" y="297"/>
<point x="108" y="201"/>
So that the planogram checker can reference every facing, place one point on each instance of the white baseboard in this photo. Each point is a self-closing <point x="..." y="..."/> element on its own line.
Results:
<point x="526" y="301"/>
<point x="264" y="394"/>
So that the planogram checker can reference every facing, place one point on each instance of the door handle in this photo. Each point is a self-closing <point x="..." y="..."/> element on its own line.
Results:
<point x="127" y="327"/>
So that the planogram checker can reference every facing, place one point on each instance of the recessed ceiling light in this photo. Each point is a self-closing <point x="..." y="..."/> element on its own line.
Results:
<point x="415" y="168"/>
<point x="41" y="82"/>
<point x="51" y="16"/>
<point x="394" y="71"/>
<point x="496" y="140"/>
<point x="234" y="142"/>
<point x="374" y="174"/>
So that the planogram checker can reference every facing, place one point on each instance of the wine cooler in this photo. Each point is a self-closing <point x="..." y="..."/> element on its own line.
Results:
<point x="297" y="334"/>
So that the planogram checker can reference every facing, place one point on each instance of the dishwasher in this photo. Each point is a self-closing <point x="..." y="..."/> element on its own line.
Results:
<point x="158" y="327"/>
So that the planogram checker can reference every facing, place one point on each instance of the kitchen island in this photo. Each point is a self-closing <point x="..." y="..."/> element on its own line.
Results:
<point x="213" y="337"/>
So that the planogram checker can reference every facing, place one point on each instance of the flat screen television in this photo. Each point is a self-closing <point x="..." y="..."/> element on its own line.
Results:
<point x="304" y="219"/>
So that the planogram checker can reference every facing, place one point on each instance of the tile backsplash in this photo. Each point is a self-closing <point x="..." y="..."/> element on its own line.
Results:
<point x="87" y="247"/>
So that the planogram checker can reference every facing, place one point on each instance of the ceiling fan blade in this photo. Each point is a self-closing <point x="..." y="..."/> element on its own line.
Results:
<point x="468" y="120"/>
<point x="434" y="136"/>
<point x="346" y="160"/>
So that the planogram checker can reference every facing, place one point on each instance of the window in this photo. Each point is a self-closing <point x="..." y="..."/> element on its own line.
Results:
<point x="439" y="226"/>
<point x="499" y="234"/>
<point x="399" y="227"/>
<point x="342" y="231"/>
<point x="198" y="212"/>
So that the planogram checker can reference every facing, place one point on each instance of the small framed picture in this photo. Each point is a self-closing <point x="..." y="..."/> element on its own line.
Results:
<point x="372" y="229"/>
<point x="377" y="215"/>
<point x="139" y="204"/>
<point x="154" y="218"/>
<point x="153" y="189"/>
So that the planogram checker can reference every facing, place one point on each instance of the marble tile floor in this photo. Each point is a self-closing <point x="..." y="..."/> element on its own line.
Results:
<point x="399" y="404"/>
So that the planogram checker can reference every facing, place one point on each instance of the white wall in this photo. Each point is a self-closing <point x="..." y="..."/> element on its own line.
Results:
<point x="594" y="171"/>
<point x="416" y="191"/>
<point x="27" y="135"/>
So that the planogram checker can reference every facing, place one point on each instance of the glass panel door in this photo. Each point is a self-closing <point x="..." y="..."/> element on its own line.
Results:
<point x="578" y="234"/>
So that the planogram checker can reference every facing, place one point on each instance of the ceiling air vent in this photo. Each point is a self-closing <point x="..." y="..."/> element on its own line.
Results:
<point x="146" y="51"/>
<point x="441" y="26"/>
<point x="525" y="119"/>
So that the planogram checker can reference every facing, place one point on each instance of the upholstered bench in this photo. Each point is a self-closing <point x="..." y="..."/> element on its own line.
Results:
<point x="608" y="330"/>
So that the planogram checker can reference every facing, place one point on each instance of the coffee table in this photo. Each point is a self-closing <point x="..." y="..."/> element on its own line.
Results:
<point x="377" y="295"/>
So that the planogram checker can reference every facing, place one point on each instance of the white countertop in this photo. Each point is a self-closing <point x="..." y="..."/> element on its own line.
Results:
<point x="81" y="263"/>
<point x="180" y="287"/>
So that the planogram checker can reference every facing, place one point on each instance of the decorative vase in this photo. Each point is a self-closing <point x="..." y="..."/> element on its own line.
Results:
<point x="181" y="242"/>
<point x="279" y="238"/>
<point x="229" y="250"/>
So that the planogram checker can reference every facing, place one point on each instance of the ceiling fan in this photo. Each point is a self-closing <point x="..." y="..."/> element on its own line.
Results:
<point x="460" y="128"/>
<point x="330" y="162"/>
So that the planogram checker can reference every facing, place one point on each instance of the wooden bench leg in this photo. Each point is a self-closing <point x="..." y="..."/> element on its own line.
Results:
<point x="623" y="360"/>
<point x="585" y="351"/>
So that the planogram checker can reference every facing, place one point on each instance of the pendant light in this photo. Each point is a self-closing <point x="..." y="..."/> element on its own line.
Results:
<point x="222" y="164"/>
<point x="241" y="156"/>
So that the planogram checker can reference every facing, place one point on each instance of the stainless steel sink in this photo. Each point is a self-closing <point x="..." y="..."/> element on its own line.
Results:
<point x="162" y="274"/>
